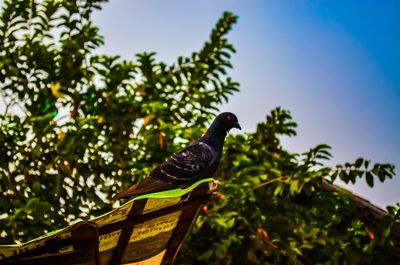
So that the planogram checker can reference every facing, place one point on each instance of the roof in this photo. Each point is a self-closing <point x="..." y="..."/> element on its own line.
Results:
<point x="148" y="229"/>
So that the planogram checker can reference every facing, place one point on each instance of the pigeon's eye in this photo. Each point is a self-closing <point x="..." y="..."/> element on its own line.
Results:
<point x="229" y="117"/>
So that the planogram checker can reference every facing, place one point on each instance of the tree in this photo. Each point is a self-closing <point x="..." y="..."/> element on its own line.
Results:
<point x="91" y="125"/>
<point x="274" y="209"/>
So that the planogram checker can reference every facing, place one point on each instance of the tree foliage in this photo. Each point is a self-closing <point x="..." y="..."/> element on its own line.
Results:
<point x="274" y="210"/>
<point x="91" y="124"/>
<point x="78" y="127"/>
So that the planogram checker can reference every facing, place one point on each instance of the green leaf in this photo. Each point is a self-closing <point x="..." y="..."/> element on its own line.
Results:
<point x="370" y="179"/>
<point x="294" y="187"/>
<point x="221" y="222"/>
<point x="366" y="163"/>
<point x="359" y="162"/>
<point x="278" y="190"/>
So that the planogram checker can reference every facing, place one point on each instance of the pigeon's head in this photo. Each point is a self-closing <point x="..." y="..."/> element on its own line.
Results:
<point x="227" y="121"/>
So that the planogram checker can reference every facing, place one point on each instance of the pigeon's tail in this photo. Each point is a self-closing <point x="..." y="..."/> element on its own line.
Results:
<point x="126" y="193"/>
<point x="148" y="185"/>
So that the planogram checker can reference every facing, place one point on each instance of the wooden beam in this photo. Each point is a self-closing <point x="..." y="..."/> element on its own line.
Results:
<point x="127" y="228"/>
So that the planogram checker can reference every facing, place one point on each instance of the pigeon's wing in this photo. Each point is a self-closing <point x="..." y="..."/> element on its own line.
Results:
<point x="187" y="164"/>
<point x="183" y="166"/>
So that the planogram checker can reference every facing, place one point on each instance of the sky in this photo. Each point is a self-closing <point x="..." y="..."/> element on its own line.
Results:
<point x="334" y="64"/>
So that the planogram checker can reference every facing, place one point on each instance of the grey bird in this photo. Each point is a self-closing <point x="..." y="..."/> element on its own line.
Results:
<point x="197" y="161"/>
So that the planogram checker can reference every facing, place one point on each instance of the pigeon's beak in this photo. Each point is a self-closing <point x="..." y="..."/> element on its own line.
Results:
<point x="237" y="126"/>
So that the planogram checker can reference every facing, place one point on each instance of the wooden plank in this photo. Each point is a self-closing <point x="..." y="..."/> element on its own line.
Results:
<point x="154" y="214"/>
<point x="86" y="238"/>
<point x="127" y="228"/>
<point x="81" y="257"/>
<point x="186" y="222"/>
<point x="53" y="245"/>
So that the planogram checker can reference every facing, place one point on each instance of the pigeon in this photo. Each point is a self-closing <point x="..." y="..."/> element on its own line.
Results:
<point x="197" y="161"/>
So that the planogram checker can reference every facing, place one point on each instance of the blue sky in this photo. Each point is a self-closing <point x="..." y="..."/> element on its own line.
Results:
<point x="334" y="64"/>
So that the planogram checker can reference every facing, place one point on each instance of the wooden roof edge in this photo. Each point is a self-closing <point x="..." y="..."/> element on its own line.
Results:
<point x="369" y="212"/>
<point x="359" y="201"/>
